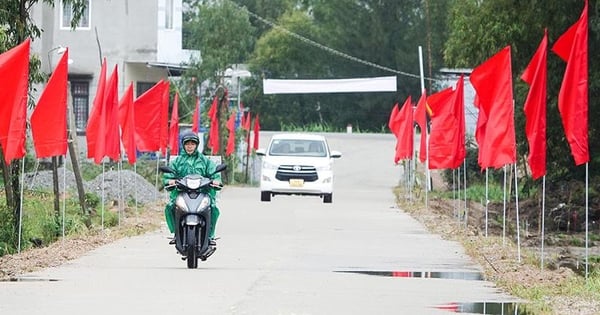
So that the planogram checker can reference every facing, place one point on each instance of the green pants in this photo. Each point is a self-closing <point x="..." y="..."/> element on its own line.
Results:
<point x="170" y="218"/>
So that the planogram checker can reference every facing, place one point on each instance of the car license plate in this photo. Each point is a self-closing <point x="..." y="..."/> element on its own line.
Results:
<point x="296" y="182"/>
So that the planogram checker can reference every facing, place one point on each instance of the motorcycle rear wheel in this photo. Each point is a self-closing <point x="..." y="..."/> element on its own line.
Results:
<point x="192" y="242"/>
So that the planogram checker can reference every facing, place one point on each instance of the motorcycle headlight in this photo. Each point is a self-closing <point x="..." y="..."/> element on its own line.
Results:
<point x="193" y="183"/>
<point x="180" y="203"/>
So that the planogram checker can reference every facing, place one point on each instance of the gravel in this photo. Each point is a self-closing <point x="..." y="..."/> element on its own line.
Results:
<point x="114" y="185"/>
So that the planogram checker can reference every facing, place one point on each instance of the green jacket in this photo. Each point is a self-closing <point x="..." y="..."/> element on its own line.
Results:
<point x="186" y="164"/>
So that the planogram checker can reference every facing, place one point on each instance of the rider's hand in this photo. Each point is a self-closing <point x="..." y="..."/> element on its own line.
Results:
<point x="216" y="183"/>
<point x="171" y="182"/>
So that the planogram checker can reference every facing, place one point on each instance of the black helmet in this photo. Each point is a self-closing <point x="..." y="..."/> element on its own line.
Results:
<point x="189" y="136"/>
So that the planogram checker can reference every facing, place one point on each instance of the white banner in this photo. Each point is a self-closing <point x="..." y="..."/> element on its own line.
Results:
<point x="377" y="84"/>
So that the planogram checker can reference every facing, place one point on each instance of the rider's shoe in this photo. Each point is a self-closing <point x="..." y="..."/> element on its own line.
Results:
<point x="172" y="241"/>
<point x="212" y="242"/>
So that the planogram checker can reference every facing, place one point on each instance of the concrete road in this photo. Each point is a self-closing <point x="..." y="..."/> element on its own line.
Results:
<point x="294" y="255"/>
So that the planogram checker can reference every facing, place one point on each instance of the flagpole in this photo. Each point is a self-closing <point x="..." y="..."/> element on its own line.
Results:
<point x="64" y="207"/>
<point x="102" y="207"/>
<point x="465" y="192"/>
<point x="543" y="217"/>
<point x="504" y="209"/>
<point x="517" y="211"/>
<point x="486" y="200"/>
<point x="587" y="262"/>
<point x="21" y="204"/>
<point x="424" y="132"/>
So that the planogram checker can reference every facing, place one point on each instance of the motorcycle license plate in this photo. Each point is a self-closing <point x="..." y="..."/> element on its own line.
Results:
<point x="296" y="182"/>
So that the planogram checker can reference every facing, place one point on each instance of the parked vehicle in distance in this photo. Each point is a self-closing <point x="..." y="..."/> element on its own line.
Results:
<point x="297" y="164"/>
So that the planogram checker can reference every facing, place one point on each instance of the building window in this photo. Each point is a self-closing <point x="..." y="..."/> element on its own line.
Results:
<point x="80" y="90"/>
<point x="169" y="14"/>
<point x="66" y="16"/>
<point x="142" y="87"/>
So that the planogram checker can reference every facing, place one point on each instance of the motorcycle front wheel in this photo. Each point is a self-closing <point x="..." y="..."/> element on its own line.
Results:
<point x="192" y="245"/>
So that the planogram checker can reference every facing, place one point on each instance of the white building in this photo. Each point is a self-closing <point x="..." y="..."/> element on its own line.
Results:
<point x="143" y="38"/>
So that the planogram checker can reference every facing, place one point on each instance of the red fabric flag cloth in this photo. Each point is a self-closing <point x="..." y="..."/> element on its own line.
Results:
<point x="147" y="108"/>
<point x="196" y="117"/>
<point x="213" y="133"/>
<point x="127" y="123"/>
<point x="393" y="120"/>
<point x="231" y="138"/>
<point x="492" y="81"/>
<point x="14" y="76"/>
<point x="49" y="118"/>
<point x="420" y="116"/>
<point x="256" y="132"/>
<point x="535" y="108"/>
<point x="405" y="136"/>
<point x="572" y="47"/>
<point x="92" y="130"/>
<point x="246" y="127"/>
<point x="442" y="128"/>
<point x="458" y="109"/>
<point x="112" y="147"/>
<point x="164" y="119"/>
<point x="174" y="127"/>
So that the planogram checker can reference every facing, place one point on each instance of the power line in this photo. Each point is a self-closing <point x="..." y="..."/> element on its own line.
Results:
<point x="328" y="49"/>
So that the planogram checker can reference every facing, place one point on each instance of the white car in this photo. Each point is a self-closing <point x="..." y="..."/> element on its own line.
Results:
<point x="297" y="164"/>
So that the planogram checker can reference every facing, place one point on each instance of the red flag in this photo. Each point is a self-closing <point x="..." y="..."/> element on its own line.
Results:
<point x="147" y="109"/>
<point x="92" y="130"/>
<point x="535" y="109"/>
<point x="393" y="123"/>
<point x="213" y="133"/>
<point x="49" y="118"/>
<point x="196" y="117"/>
<point x="164" y="119"/>
<point x="420" y="116"/>
<point x="572" y="47"/>
<point x="112" y="147"/>
<point x="174" y="127"/>
<point x="246" y="126"/>
<point x="127" y="122"/>
<point x="256" y="132"/>
<point x="14" y="76"/>
<point x="458" y="109"/>
<point x="492" y="80"/>
<point x="231" y="137"/>
<point x="404" y="135"/>
<point x="442" y="129"/>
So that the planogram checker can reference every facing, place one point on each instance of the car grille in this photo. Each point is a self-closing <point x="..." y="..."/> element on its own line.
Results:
<point x="287" y="172"/>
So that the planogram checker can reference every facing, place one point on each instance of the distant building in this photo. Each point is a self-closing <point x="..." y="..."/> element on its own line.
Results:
<point x="143" y="38"/>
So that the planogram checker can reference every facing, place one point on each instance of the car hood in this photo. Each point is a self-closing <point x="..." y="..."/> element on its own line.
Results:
<point x="299" y="160"/>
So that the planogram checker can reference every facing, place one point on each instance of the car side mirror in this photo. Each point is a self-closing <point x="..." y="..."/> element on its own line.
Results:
<point x="335" y="154"/>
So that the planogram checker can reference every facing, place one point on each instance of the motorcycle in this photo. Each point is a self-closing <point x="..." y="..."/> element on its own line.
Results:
<point x="193" y="215"/>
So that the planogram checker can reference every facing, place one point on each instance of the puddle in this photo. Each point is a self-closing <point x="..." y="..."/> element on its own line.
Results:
<point x="29" y="279"/>
<point x="490" y="308"/>
<point x="421" y="274"/>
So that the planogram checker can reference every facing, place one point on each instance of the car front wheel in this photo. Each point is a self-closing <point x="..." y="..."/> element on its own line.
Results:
<point x="327" y="198"/>
<point x="265" y="196"/>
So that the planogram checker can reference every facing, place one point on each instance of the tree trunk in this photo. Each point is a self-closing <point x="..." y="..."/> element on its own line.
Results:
<point x="74" y="162"/>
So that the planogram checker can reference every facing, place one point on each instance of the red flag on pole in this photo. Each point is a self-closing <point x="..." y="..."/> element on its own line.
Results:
<point x="92" y="130"/>
<point x="458" y="109"/>
<point x="492" y="80"/>
<point x="127" y="122"/>
<point x="535" y="108"/>
<point x="14" y="76"/>
<point x="112" y="147"/>
<point x="49" y="118"/>
<point x="196" y="117"/>
<point x="147" y="109"/>
<point x="213" y="133"/>
<point x="256" y="132"/>
<point x="174" y="127"/>
<point x="420" y="116"/>
<point x="164" y="119"/>
<point x="572" y="47"/>
<point x="442" y="128"/>
<point x="393" y="123"/>
<point x="404" y="136"/>
<point x="231" y="137"/>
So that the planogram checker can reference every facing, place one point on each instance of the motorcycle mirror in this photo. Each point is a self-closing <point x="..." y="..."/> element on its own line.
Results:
<point x="220" y="168"/>
<point x="166" y="169"/>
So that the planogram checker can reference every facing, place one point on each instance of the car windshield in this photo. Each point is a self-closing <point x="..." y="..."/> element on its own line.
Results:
<point x="298" y="147"/>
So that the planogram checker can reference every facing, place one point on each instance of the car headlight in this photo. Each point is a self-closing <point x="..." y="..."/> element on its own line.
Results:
<point x="269" y="166"/>
<point x="326" y="167"/>
<point x="180" y="203"/>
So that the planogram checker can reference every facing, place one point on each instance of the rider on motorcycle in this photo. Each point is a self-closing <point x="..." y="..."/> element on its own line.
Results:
<point x="191" y="161"/>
